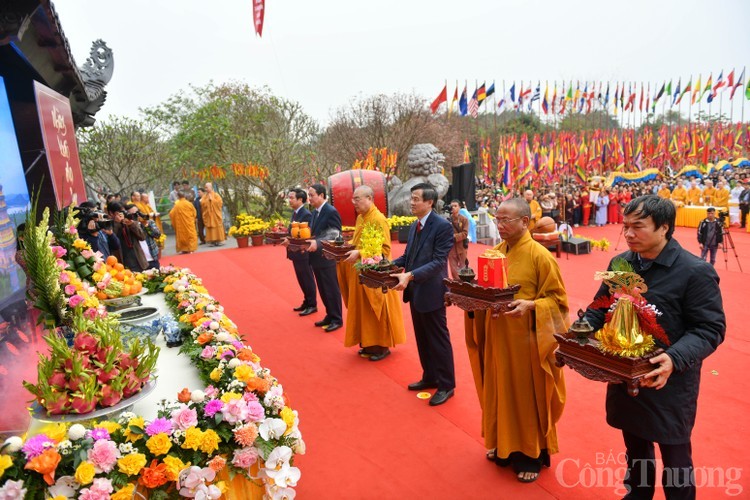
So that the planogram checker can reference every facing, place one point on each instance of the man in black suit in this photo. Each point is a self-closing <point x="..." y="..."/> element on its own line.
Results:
<point x="301" y="260"/>
<point x="325" y="225"/>
<point x="425" y="263"/>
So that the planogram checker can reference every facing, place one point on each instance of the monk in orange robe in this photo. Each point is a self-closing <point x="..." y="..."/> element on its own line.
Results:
<point x="374" y="319"/>
<point x="694" y="194"/>
<point x="679" y="195"/>
<point x="523" y="390"/>
<point x="721" y="196"/>
<point x="664" y="192"/>
<point x="534" y="206"/>
<point x="183" y="216"/>
<point x="211" y="205"/>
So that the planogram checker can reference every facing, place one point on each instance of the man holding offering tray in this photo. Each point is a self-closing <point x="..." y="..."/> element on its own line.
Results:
<point x="523" y="391"/>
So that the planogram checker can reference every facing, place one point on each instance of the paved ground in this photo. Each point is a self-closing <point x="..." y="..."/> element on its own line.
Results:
<point x="169" y="248"/>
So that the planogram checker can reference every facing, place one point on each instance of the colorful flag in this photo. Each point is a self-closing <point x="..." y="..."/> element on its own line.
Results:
<point x="467" y="158"/>
<point x="513" y="93"/>
<point x="554" y="99"/>
<point x="481" y="94"/>
<point x="747" y="89"/>
<point x="719" y="83"/>
<point x="676" y="92"/>
<point x="709" y="85"/>
<point x="640" y="102"/>
<point x="453" y="101"/>
<point x="440" y="99"/>
<point x="259" y="10"/>
<point x="738" y="84"/>
<point x="545" y="106"/>
<point x="697" y="89"/>
<point x="685" y="90"/>
<point x="606" y="97"/>
<point x="474" y="106"/>
<point x="491" y="90"/>
<point x="462" y="104"/>
<point x="658" y="96"/>
<point x="507" y="178"/>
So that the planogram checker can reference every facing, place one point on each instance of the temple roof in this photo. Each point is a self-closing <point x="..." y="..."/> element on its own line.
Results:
<point x="32" y="28"/>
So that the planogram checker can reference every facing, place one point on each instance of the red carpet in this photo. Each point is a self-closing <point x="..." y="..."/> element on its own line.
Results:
<point x="368" y="437"/>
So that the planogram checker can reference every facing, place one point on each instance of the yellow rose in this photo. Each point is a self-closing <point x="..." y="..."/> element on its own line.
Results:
<point x="244" y="373"/>
<point x="215" y="375"/>
<point x="85" y="473"/>
<point x="80" y="244"/>
<point x="287" y="415"/>
<point x="134" y="422"/>
<point x="210" y="441"/>
<point x="168" y="288"/>
<point x="111" y="427"/>
<point x="131" y="464"/>
<point x="5" y="463"/>
<point x="174" y="466"/>
<point x="193" y="439"/>
<point x="159" y="444"/>
<point x="56" y="432"/>
<point x="125" y="493"/>
<point x="229" y="396"/>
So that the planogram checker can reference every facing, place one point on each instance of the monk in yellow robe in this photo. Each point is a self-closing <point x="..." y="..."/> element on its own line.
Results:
<point x="694" y="194"/>
<point x="534" y="206"/>
<point x="664" y="192"/>
<point x="183" y="216"/>
<point x="721" y="197"/>
<point x="145" y="204"/>
<point x="374" y="319"/>
<point x="211" y="205"/>
<point x="679" y="195"/>
<point x="524" y="392"/>
<point x="708" y="193"/>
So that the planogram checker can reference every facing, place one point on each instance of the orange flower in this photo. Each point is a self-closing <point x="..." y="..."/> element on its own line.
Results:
<point x="184" y="396"/>
<point x="245" y="354"/>
<point x="205" y="338"/>
<point x="246" y="434"/>
<point x="45" y="464"/>
<point x="217" y="463"/>
<point x="259" y="385"/>
<point x="154" y="475"/>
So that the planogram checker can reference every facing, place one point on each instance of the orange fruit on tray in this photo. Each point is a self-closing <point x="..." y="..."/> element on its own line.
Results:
<point x="111" y="260"/>
<point x="119" y="267"/>
<point x="101" y="295"/>
<point x="126" y="290"/>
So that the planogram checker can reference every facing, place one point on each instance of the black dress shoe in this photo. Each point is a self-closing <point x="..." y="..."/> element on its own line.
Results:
<point x="440" y="397"/>
<point x="300" y="308"/>
<point x="323" y="322"/>
<point x="332" y="327"/>
<point x="422" y="385"/>
<point x="308" y="311"/>
<point x="380" y="355"/>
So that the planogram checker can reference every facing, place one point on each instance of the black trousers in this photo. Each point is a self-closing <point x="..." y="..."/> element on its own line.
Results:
<point x="306" y="280"/>
<point x="434" y="347"/>
<point x="744" y="210"/>
<point x="330" y="293"/>
<point x="677" y="478"/>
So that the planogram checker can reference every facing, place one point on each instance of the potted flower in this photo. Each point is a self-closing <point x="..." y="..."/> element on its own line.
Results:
<point x="400" y="225"/>
<point x="248" y="227"/>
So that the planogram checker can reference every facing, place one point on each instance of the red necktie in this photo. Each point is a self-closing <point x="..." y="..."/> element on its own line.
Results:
<point x="419" y="226"/>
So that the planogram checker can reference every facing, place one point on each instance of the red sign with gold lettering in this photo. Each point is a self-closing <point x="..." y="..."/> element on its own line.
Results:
<point x="61" y="147"/>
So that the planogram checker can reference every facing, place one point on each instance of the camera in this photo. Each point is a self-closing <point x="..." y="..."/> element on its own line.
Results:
<point x="132" y="216"/>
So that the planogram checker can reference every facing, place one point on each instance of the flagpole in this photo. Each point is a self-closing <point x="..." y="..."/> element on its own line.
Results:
<point x="494" y="109"/>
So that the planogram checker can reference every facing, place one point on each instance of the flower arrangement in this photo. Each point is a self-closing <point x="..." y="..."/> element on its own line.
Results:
<point x="96" y="371"/>
<point x="630" y="324"/>
<point x="114" y="280"/>
<point x="370" y="246"/>
<point x="247" y="225"/>
<point x="239" y="425"/>
<point x="602" y="244"/>
<point x="397" y="221"/>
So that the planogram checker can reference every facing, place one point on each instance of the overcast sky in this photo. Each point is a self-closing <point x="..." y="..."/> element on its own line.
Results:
<point x="323" y="52"/>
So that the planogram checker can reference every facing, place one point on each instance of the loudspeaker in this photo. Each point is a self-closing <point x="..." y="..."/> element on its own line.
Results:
<point x="463" y="187"/>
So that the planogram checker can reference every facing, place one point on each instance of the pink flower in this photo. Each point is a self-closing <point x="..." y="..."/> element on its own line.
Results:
<point x="213" y="407"/>
<point x="90" y="313"/>
<point x="211" y="391"/>
<point x="64" y="278"/>
<point x="255" y="412"/>
<point x="377" y="258"/>
<point x="99" y="490"/>
<point x="75" y="301"/>
<point x="72" y="230"/>
<point x="87" y="254"/>
<point x="235" y="411"/>
<point x="62" y="264"/>
<point x="70" y="289"/>
<point x="104" y="455"/>
<point x="59" y="251"/>
<point x="208" y="352"/>
<point x="250" y="397"/>
<point x="193" y="481"/>
<point x="12" y="490"/>
<point x="184" y="418"/>
<point x="158" y="426"/>
<point x="245" y="458"/>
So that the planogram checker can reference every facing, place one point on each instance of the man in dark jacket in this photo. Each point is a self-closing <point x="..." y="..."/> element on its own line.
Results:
<point x="710" y="234"/>
<point x="325" y="225"/>
<point x="685" y="290"/>
<point x="301" y="260"/>
<point x="425" y="266"/>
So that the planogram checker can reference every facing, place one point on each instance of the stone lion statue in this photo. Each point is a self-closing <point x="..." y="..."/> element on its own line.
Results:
<point x="424" y="164"/>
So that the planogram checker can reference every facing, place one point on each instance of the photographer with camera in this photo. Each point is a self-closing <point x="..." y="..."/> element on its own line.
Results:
<point x="457" y="254"/>
<point x="710" y="233"/>
<point x="148" y="245"/>
<point x="96" y="229"/>
<point x="127" y="228"/>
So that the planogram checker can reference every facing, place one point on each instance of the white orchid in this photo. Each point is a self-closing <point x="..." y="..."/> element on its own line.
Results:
<point x="279" y="458"/>
<point x="273" y="428"/>
<point x="65" y="486"/>
<point x="282" y="493"/>
<point x="286" y="476"/>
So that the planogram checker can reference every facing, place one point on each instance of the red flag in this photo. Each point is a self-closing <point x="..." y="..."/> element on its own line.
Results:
<point x="259" y="9"/>
<point x="440" y="99"/>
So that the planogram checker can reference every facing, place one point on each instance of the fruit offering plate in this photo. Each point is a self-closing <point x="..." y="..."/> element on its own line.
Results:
<point x="333" y="251"/>
<point x="380" y="278"/>
<point x="117" y="303"/>
<point x="472" y="297"/>
<point x="584" y="356"/>
<point x="275" y="237"/>
<point x="38" y="412"/>
<point x="298" y="245"/>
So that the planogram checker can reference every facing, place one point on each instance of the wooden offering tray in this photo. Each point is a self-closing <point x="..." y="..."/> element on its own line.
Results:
<point x="586" y="359"/>
<point x="275" y="237"/>
<point x="332" y="251"/>
<point x="382" y="279"/>
<point x="472" y="297"/>
<point x="298" y="245"/>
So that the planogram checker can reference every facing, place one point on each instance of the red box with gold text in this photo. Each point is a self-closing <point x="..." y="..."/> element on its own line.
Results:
<point x="492" y="271"/>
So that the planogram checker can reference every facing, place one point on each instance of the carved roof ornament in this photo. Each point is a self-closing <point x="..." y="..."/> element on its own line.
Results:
<point x="98" y="68"/>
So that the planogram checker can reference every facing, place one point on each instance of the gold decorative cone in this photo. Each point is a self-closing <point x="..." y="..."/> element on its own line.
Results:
<point x="623" y="336"/>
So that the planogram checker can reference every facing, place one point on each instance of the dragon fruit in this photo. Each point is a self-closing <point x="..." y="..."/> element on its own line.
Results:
<point x="112" y="393"/>
<point x="132" y="384"/>
<point x="85" y="342"/>
<point x="85" y="400"/>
